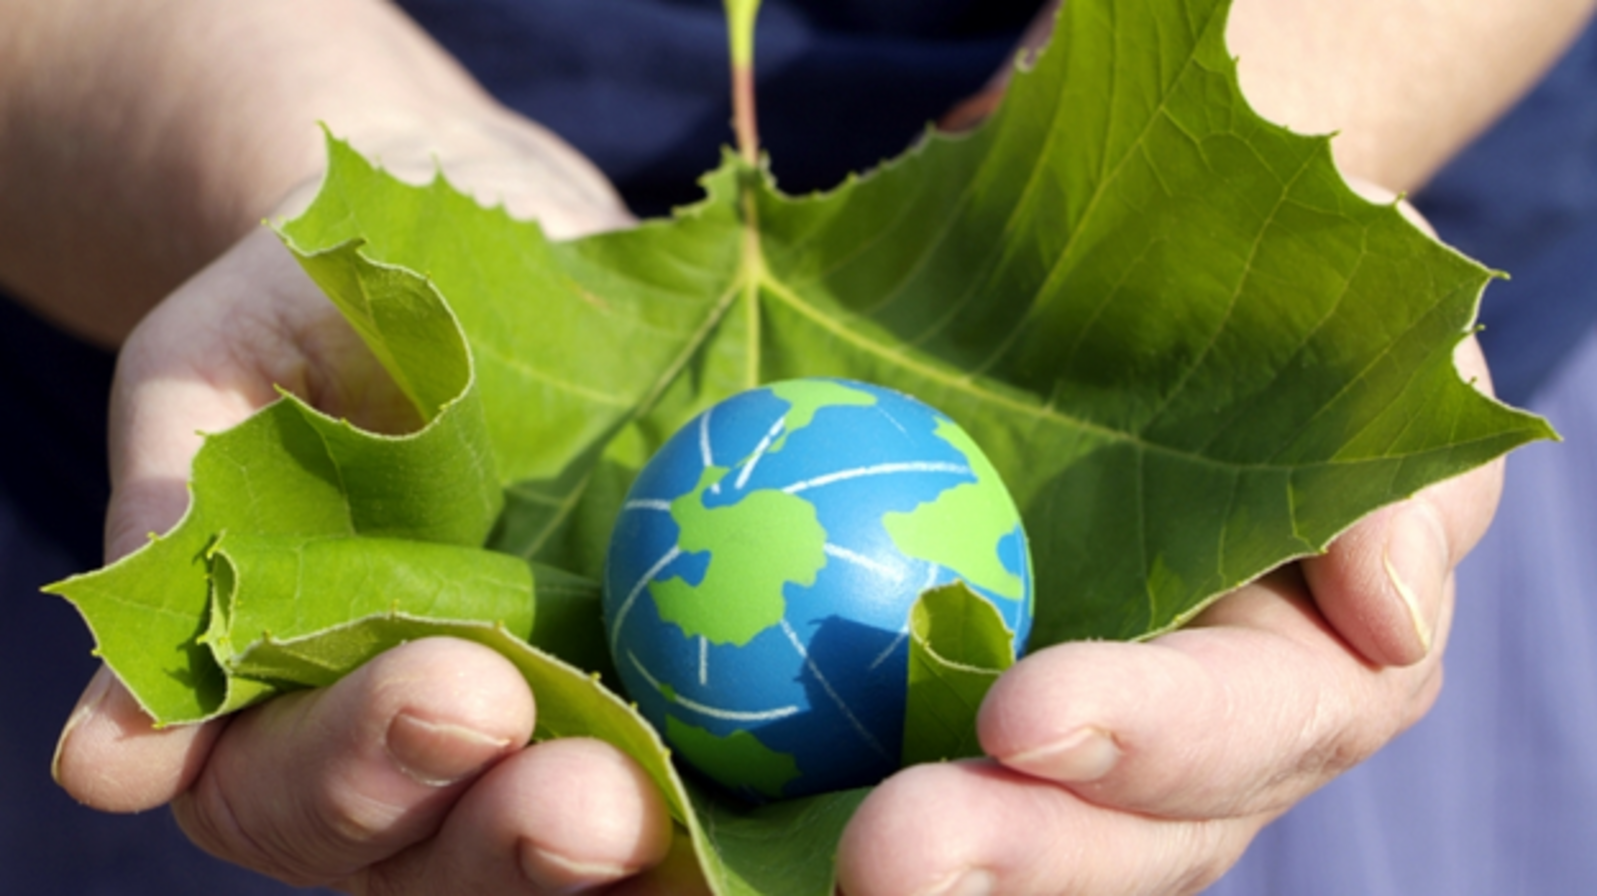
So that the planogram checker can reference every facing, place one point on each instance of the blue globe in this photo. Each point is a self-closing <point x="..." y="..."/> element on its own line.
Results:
<point x="761" y="573"/>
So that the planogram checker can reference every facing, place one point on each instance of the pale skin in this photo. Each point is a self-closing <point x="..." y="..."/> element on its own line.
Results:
<point x="156" y="136"/>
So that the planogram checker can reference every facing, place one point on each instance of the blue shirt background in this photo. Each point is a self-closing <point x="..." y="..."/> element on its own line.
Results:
<point x="1495" y="792"/>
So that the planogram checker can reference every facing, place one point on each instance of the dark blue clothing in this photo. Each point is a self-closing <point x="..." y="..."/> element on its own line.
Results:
<point x="1494" y="793"/>
<point x="53" y="487"/>
<point x="641" y="86"/>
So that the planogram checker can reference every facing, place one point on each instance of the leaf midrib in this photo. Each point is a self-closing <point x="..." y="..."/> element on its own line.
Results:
<point x="1046" y="413"/>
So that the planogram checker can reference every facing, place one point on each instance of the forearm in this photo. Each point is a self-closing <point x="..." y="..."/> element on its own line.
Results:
<point x="139" y="140"/>
<point x="1404" y="83"/>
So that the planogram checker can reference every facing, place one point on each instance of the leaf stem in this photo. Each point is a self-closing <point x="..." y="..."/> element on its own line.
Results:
<point x="740" y="16"/>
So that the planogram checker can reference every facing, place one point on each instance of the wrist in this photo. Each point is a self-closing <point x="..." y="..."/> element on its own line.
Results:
<point x="139" y="142"/>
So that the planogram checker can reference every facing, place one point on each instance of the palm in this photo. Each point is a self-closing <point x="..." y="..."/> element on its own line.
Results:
<point x="216" y="351"/>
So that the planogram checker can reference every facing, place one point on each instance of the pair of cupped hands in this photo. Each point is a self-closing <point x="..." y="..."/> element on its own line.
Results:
<point x="1114" y="767"/>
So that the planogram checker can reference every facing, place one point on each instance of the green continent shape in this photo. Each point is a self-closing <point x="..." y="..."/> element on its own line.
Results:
<point x="756" y="546"/>
<point x="962" y="527"/>
<point x="806" y="397"/>
<point x="739" y="759"/>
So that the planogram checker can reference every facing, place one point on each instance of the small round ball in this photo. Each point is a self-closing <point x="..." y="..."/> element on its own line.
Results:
<point x="761" y="574"/>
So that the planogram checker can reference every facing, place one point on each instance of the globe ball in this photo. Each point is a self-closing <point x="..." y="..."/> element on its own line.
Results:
<point x="761" y="573"/>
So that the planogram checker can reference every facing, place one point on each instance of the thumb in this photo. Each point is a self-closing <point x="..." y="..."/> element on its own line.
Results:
<point x="111" y="757"/>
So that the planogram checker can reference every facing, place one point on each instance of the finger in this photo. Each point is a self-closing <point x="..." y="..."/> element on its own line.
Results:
<point x="564" y="816"/>
<point x="1381" y="583"/>
<point x="590" y="815"/>
<point x="312" y="787"/>
<point x="961" y="829"/>
<point x="1239" y="715"/>
<point x="112" y="758"/>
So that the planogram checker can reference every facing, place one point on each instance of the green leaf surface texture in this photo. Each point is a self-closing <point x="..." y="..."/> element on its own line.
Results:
<point x="1190" y="351"/>
<point x="958" y="646"/>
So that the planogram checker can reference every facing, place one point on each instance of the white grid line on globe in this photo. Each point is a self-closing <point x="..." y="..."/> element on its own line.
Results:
<point x="886" y="571"/>
<point x="860" y="729"/>
<point x="705" y="455"/>
<point x="911" y="466"/>
<point x="759" y="452"/>
<point x="632" y="596"/>
<point x="882" y="657"/>
<point x="730" y="715"/>
<point x="931" y="577"/>
<point x="647" y="504"/>
<point x="893" y="420"/>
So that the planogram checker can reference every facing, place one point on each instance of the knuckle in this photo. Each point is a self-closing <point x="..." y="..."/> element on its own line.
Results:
<point x="1346" y="726"/>
<point x="210" y="819"/>
<point x="1210" y="848"/>
<point x="302" y="842"/>
<point x="347" y="822"/>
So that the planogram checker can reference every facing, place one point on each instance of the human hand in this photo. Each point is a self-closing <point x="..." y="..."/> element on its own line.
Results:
<point x="1148" y="768"/>
<point x="411" y="774"/>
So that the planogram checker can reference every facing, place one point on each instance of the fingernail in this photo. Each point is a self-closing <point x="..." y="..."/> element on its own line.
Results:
<point x="439" y="754"/>
<point x="88" y="704"/>
<point x="1416" y="564"/>
<point x="555" y="873"/>
<point x="964" y="882"/>
<point x="1085" y="755"/>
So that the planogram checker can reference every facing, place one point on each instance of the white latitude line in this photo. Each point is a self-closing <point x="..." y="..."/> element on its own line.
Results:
<point x="759" y="452"/>
<point x="884" y="570"/>
<point x="647" y="504"/>
<point x="913" y="466"/>
<point x="632" y="596"/>
<point x="793" y="638"/>
<point x="731" y="715"/>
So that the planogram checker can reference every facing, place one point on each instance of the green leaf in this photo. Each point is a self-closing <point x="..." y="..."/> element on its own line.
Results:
<point x="293" y="474"/>
<point x="275" y="590"/>
<point x="958" y="646"/>
<point x="1190" y="351"/>
<point x="778" y="849"/>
